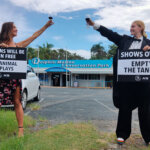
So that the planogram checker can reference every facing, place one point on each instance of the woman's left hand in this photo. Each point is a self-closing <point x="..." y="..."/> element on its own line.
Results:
<point x="146" y="48"/>
<point x="49" y="23"/>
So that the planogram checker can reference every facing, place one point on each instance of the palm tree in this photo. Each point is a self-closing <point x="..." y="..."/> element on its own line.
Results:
<point x="45" y="51"/>
<point x="98" y="52"/>
<point x="31" y="53"/>
<point x="112" y="51"/>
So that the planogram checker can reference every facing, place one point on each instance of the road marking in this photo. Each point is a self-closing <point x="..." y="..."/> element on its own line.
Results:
<point x="62" y="101"/>
<point x="41" y="100"/>
<point x="58" y="102"/>
<point x="28" y="112"/>
<point x="72" y="99"/>
<point x="110" y="109"/>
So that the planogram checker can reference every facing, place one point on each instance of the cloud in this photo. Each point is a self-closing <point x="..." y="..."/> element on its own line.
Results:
<point x="8" y="14"/>
<point x="93" y="38"/>
<point x="112" y="13"/>
<point x="57" y="6"/>
<point x="84" y="53"/>
<point x="96" y="38"/>
<point x="57" y="38"/>
<point x="66" y="18"/>
<point x="121" y="17"/>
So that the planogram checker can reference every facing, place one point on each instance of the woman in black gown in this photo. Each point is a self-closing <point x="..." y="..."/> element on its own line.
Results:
<point x="128" y="96"/>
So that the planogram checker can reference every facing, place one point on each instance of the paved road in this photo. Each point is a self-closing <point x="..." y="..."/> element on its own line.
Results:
<point x="61" y="105"/>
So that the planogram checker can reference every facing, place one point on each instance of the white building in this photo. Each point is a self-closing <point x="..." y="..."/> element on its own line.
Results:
<point x="82" y="73"/>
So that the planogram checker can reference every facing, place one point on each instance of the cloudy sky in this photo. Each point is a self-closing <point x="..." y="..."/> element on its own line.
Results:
<point x="70" y="31"/>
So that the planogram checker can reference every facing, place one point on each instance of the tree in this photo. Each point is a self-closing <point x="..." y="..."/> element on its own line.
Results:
<point x="54" y="55"/>
<point x="31" y="53"/>
<point x="112" y="51"/>
<point x="70" y="56"/>
<point x="98" y="52"/>
<point x="45" y="51"/>
<point x="61" y="54"/>
<point x="75" y="56"/>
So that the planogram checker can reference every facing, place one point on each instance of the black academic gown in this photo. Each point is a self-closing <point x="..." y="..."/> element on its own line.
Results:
<point x="127" y="96"/>
<point x="126" y="90"/>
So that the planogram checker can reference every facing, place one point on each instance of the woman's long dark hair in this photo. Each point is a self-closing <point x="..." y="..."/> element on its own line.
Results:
<point x="5" y="32"/>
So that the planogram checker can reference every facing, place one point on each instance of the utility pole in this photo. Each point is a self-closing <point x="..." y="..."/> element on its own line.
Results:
<point x="66" y="70"/>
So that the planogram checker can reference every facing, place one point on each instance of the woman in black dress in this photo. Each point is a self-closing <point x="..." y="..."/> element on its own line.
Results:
<point x="10" y="90"/>
<point x="127" y="95"/>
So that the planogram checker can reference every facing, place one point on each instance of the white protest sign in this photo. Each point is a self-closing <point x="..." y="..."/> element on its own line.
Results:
<point x="133" y="66"/>
<point x="13" y="63"/>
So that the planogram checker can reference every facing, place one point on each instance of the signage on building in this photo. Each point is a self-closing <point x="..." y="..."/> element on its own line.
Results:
<point x="70" y="63"/>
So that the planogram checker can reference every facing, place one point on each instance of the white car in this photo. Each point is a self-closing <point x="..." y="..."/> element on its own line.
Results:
<point x="30" y="88"/>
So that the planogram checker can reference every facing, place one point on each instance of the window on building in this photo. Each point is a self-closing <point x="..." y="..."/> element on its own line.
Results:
<point x="94" y="76"/>
<point x="81" y="77"/>
<point x="43" y="77"/>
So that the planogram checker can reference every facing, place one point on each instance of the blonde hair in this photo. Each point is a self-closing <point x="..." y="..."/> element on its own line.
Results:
<point x="142" y="26"/>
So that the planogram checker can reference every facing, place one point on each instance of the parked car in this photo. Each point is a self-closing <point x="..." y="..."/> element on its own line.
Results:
<point x="30" y="88"/>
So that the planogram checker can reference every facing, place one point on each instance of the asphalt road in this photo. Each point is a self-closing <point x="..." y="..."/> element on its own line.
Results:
<point x="62" y="105"/>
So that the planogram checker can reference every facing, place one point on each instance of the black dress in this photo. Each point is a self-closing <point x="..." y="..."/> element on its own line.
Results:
<point x="7" y="90"/>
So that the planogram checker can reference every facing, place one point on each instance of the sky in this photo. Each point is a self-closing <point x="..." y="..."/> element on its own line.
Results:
<point x="70" y="31"/>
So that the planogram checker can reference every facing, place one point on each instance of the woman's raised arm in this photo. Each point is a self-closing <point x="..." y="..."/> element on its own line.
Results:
<point x="109" y="34"/>
<point x="26" y="42"/>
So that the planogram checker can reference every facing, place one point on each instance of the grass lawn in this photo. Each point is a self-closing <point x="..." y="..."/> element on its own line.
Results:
<point x="8" y="124"/>
<point x="71" y="136"/>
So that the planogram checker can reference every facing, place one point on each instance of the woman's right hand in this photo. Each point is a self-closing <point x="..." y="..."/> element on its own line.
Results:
<point x="3" y="45"/>
<point x="90" y="22"/>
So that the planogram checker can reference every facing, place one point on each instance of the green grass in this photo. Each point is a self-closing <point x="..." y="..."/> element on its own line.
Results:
<point x="61" y="137"/>
<point x="8" y="124"/>
<point x="71" y="136"/>
<point x="34" y="106"/>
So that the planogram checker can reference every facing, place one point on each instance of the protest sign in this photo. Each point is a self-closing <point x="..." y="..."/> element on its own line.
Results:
<point x="13" y="63"/>
<point x="133" y="66"/>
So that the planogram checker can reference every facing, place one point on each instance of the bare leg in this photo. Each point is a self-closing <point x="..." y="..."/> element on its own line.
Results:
<point x="18" y="110"/>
